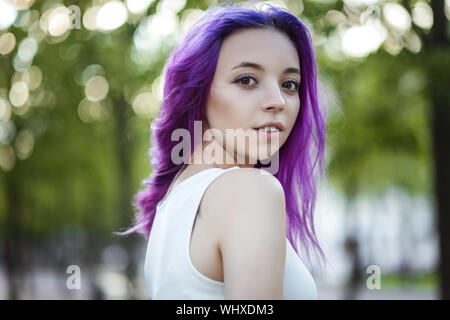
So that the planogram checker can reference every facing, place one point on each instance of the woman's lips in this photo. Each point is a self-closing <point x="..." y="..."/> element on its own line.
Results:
<point x="268" y="135"/>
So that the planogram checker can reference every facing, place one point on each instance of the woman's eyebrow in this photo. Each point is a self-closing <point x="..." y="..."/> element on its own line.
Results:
<point x="246" y="64"/>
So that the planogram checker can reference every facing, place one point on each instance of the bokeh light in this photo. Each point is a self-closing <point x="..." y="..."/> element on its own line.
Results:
<point x="111" y="16"/>
<point x="7" y="132"/>
<point x="90" y="111"/>
<point x="162" y="23"/>
<point x="22" y="4"/>
<point x="145" y="104"/>
<point x="174" y="6"/>
<point x="422" y="15"/>
<point x="359" y="41"/>
<point x="413" y="42"/>
<point x="447" y="9"/>
<point x="18" y="94"/>
<point x="27" y="49"/>
<point x="397" y="17"/>
<point x="24" y="144"/>
<point x="32" y="77"/>
<point x="7" y="43"/>
<point x="90" y="18"/>
<point x="138" y="6"/>
<point x="59" y="21"/>
<point x="5" y="110"/>
<point x="90" y="71"/>
<point x="96" y="88"/>
<point x="8" y="14"/>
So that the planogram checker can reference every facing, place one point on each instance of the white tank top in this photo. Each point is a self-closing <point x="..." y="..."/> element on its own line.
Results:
<point x="168" y="269"/>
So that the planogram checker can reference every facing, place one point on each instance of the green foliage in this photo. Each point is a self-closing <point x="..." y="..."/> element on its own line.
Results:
<point x="381" y="136"/>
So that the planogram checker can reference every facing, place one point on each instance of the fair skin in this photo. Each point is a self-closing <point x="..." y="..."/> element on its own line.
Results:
<point x="240" y="236"/>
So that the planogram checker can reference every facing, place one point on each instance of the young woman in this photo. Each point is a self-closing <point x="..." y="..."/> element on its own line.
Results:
<point x="223" y="229"/>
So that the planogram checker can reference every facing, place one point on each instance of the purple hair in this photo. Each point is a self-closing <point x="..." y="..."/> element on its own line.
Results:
<point x="189" y="73"/>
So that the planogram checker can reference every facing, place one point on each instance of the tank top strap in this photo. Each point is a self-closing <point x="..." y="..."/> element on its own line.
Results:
<point x="190" y="192"/>
<point x="196" y="181"/>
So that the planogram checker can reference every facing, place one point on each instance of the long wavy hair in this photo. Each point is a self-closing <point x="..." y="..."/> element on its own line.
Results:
<point x="189" y="73"/>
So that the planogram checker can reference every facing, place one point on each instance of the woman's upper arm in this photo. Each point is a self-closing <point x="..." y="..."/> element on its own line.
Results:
<point x="252" y="240"/>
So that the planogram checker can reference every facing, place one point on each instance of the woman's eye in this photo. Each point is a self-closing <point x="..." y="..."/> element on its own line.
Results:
<point x="246" y="81"/>
<point x="293" y="85"/>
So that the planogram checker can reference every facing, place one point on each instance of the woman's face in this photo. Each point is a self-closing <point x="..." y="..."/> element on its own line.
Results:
<point x="257" y="80"/>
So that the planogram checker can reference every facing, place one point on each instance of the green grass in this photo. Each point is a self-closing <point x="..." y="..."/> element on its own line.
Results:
<point x="425" y="281"/>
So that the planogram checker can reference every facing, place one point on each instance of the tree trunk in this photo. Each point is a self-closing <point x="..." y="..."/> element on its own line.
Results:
<point x="438" y="66"/>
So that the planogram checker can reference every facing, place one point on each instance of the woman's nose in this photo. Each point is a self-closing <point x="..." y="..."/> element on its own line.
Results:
<point x="273" y="98"/>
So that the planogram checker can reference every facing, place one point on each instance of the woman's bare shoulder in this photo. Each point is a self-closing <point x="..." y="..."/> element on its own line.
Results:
<point x="236" y="181"/>
<point x="241" y="193"/>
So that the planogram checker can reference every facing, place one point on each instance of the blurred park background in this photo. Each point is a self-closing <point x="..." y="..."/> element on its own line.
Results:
<point x="80" y="82"/>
